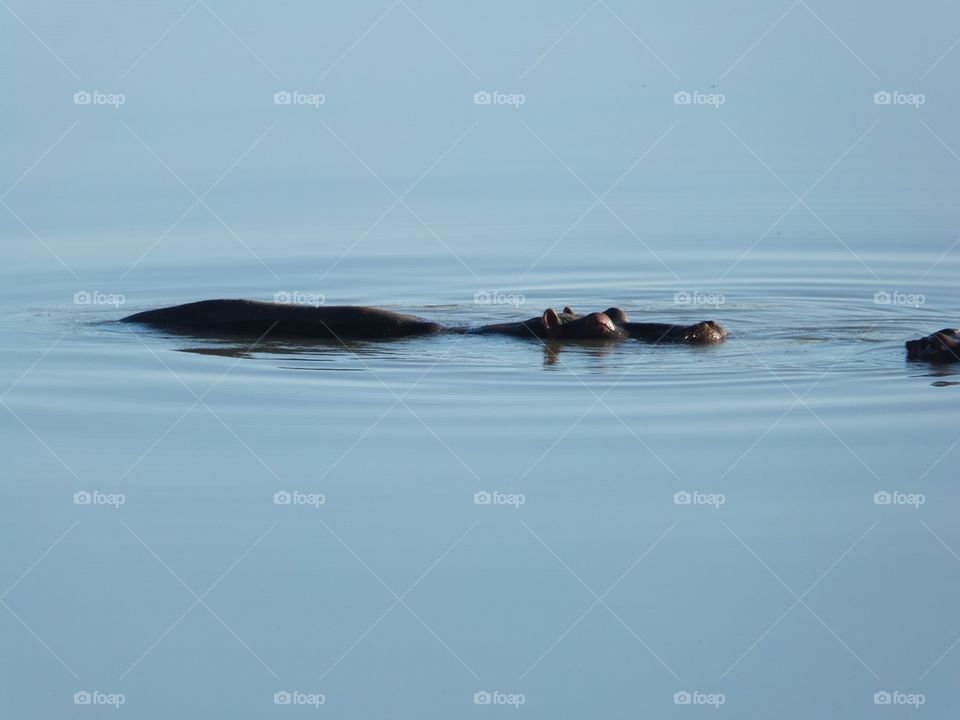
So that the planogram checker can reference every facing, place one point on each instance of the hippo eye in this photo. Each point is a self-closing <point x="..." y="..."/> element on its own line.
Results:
<point x="617" y="315"/>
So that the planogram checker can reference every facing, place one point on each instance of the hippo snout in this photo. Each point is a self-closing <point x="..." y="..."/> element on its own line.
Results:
<point x="940" y="347"/>
<point x="707" y="332"/>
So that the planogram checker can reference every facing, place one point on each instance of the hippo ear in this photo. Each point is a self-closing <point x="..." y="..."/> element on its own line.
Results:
<point x="567" y="310"/>
<point x="551" y="321"/>
<point x="945" y="338"/>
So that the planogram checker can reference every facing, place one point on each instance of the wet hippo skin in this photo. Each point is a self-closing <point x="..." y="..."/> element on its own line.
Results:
<point x="559" y="326"/>
<point x="939" y="347"/>
<point x="612" y="324"/>
<point x="253" y="319"/>
<point x="702" y="333"/>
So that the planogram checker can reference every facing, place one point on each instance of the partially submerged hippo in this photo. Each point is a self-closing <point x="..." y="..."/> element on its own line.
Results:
<point x="566" y="325"/>
<point x="612" y="324"/>
<point x="259" y="320"/>
<point x="940" y="347"/>
<point x="702" y="333"/>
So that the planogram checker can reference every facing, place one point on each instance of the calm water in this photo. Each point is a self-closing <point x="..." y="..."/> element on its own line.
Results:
<point x="399" y="594"/>
<point x="664" y="523"/>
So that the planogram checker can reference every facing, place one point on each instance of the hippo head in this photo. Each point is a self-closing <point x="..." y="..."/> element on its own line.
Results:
<point x="940" y="347"/>
<point x="570" y="326"/>
<point x="702" y="333"/>
<point x="705" y="333"/>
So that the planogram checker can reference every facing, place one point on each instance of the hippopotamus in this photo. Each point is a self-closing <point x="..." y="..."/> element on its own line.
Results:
<point x="940" y="347"/>
<point x="611" y="324"/>
<point x="565" y="325"/>
<point x="258" y="320"/>
<point x="702" y="333"/>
